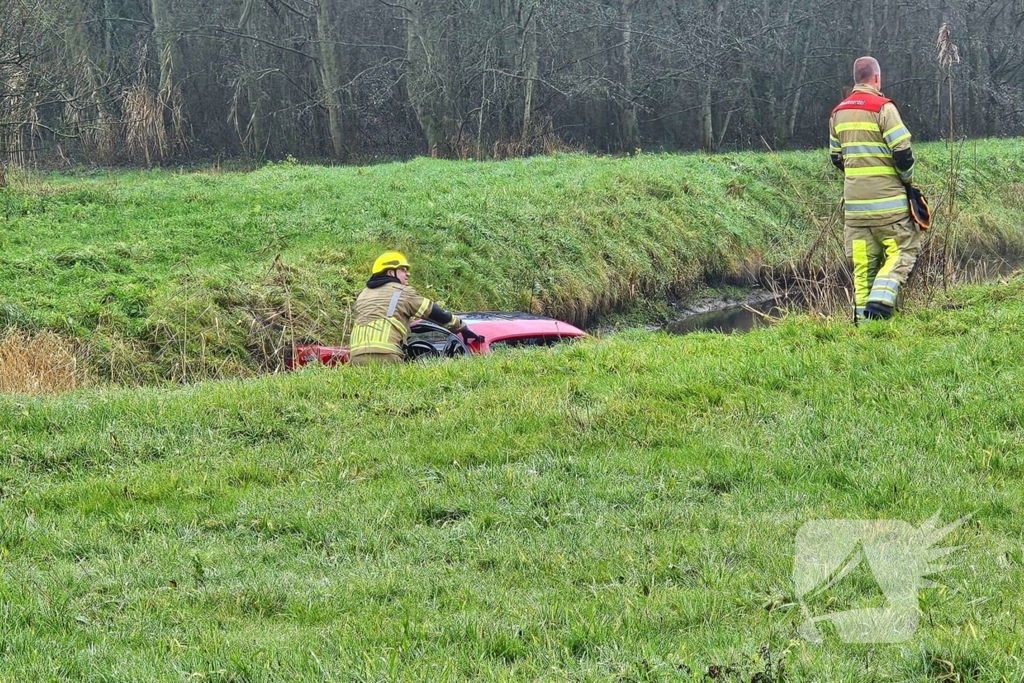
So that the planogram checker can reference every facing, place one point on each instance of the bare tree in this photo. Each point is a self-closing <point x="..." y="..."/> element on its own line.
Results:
<point x="332" y="75"/>
<point x="110" y="81"/>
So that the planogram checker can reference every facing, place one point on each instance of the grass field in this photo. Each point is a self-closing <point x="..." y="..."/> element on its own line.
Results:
<point x="161" y="274"/>
<point x="618" y="510"/>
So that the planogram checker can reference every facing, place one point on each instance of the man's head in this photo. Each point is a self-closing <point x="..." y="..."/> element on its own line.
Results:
<point x="867" y="72"/>
<point x="392" y="263"/>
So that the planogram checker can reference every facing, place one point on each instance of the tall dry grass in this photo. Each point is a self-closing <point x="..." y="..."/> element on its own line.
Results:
<point x="144" y="125"/>
<point x="820" y="280"/>
<point x="40" y="363"/>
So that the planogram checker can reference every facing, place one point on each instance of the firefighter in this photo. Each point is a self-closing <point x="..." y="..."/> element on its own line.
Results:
<point x="870" y="144"/>
<point x="384" y="310"/>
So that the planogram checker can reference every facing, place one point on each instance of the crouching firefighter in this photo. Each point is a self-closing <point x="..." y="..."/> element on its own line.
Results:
<point x="386" y="307"/>
<point x="870" y="144"/>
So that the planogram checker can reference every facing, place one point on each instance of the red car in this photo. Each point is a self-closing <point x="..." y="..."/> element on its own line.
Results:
<point x="429" y="340"/>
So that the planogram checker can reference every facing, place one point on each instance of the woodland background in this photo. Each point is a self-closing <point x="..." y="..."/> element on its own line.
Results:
<point x="113" y="82"/>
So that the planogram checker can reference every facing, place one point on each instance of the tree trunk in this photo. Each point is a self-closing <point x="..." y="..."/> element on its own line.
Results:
<point x="481" y="115"/>
<point x="724" y="128"/>
<point x="795" y="108"/>
<point x="425" y="86"/>
<point x="531" y="66"/>
<point x="332" y="75"/>
<point x="869" y="29"/>
<point x="707" y="128"/>
<point x="630" y="129"/>
<point x="108" y="33"/>
<point x="254" y="138"/>
<point x="707" y="125"/>
<point x="168" y="94"/>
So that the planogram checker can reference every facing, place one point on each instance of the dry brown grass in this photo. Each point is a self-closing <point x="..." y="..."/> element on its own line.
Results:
<point x="145" y="133"/>
<point x="37" y="364"/>
<point x="540" y="138"/>
<point x="820" y="280"/>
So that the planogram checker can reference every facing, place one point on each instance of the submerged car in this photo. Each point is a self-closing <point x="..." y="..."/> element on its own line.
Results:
<point x="429" y="340"/>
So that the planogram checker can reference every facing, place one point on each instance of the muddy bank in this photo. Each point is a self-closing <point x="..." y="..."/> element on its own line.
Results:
<point x="747" y="309"/>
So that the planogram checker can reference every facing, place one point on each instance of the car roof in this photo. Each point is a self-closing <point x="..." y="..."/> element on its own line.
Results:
<point x="501" y="315"/>
<point x="497" y="326"/>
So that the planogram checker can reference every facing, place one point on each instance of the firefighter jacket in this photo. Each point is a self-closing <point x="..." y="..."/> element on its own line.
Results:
<point x="382" y="317"/>
<point x="867" y="139"/>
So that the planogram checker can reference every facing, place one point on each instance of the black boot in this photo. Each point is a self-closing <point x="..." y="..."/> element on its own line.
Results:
<point x="877" y="311"/>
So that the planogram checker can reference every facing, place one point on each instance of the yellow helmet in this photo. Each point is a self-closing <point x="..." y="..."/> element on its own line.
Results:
<point x="389" y="260"/>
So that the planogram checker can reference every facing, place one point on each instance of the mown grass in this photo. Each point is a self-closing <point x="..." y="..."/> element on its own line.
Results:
<point x="160" y="274"/>
<point x="620" y="509"/>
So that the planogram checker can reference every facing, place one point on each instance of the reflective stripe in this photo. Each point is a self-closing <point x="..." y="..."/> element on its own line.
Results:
<point x="867" y="171"/>
<point x="860" y="273"/>
<point x="869" y="206"/>
<point x="384" y="348"/>
<point x="884" y="292"/>
<point x="882" y="282"/>
<point x="858" y="125"/>
<point x="908" y="175"/>
<point x="866" y="149"/>
<point x="866" y="156"/>
<point x="892" y="255"/>
<point x="896" y="134"/>
<point x="377" y="331"/>
<point x="888" y="283"/>
<point x="376" y="336"/>
<point x="394" y="303"/>
<point x="833" y="143"/>
<point x="884" y="289"/>
<point x="402" y="330"/>
<point x="424" y="307"/>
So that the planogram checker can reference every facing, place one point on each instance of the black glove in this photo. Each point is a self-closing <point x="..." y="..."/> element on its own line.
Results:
<point x="470" y="335"/>
<point x="920" y="211"/>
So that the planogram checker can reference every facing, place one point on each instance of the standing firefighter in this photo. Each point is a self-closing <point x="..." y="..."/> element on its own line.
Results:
<point x="386" y="307"/>
<point x="870" y="144"/>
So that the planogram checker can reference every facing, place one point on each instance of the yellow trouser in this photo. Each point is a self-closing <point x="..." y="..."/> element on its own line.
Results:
<point x="882" y="260"/>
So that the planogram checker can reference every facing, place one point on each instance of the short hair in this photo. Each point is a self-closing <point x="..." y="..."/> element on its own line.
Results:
<point x="864" y="69"/>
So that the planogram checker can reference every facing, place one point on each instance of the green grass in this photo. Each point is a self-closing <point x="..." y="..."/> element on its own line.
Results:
<point x="167" y="275"/>
<point x="617" y="510"/>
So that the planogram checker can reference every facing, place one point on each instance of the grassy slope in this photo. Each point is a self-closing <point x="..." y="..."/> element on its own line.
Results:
<point x="128" y="261"/>
<point x="617" y="510"/>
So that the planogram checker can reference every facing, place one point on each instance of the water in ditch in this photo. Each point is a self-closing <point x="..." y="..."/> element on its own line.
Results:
<point x="735" y="318"/>
<point x="761" y="310"/>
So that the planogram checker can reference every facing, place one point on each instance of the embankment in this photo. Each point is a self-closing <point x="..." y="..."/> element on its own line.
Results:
<point x="184" y="275"/>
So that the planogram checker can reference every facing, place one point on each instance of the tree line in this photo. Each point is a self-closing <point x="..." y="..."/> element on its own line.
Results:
<point x="152" y="81"/>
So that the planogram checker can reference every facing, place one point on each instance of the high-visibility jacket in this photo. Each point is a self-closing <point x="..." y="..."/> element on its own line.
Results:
<point x="865" y="130"/>
<point x="382" y="317"/>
